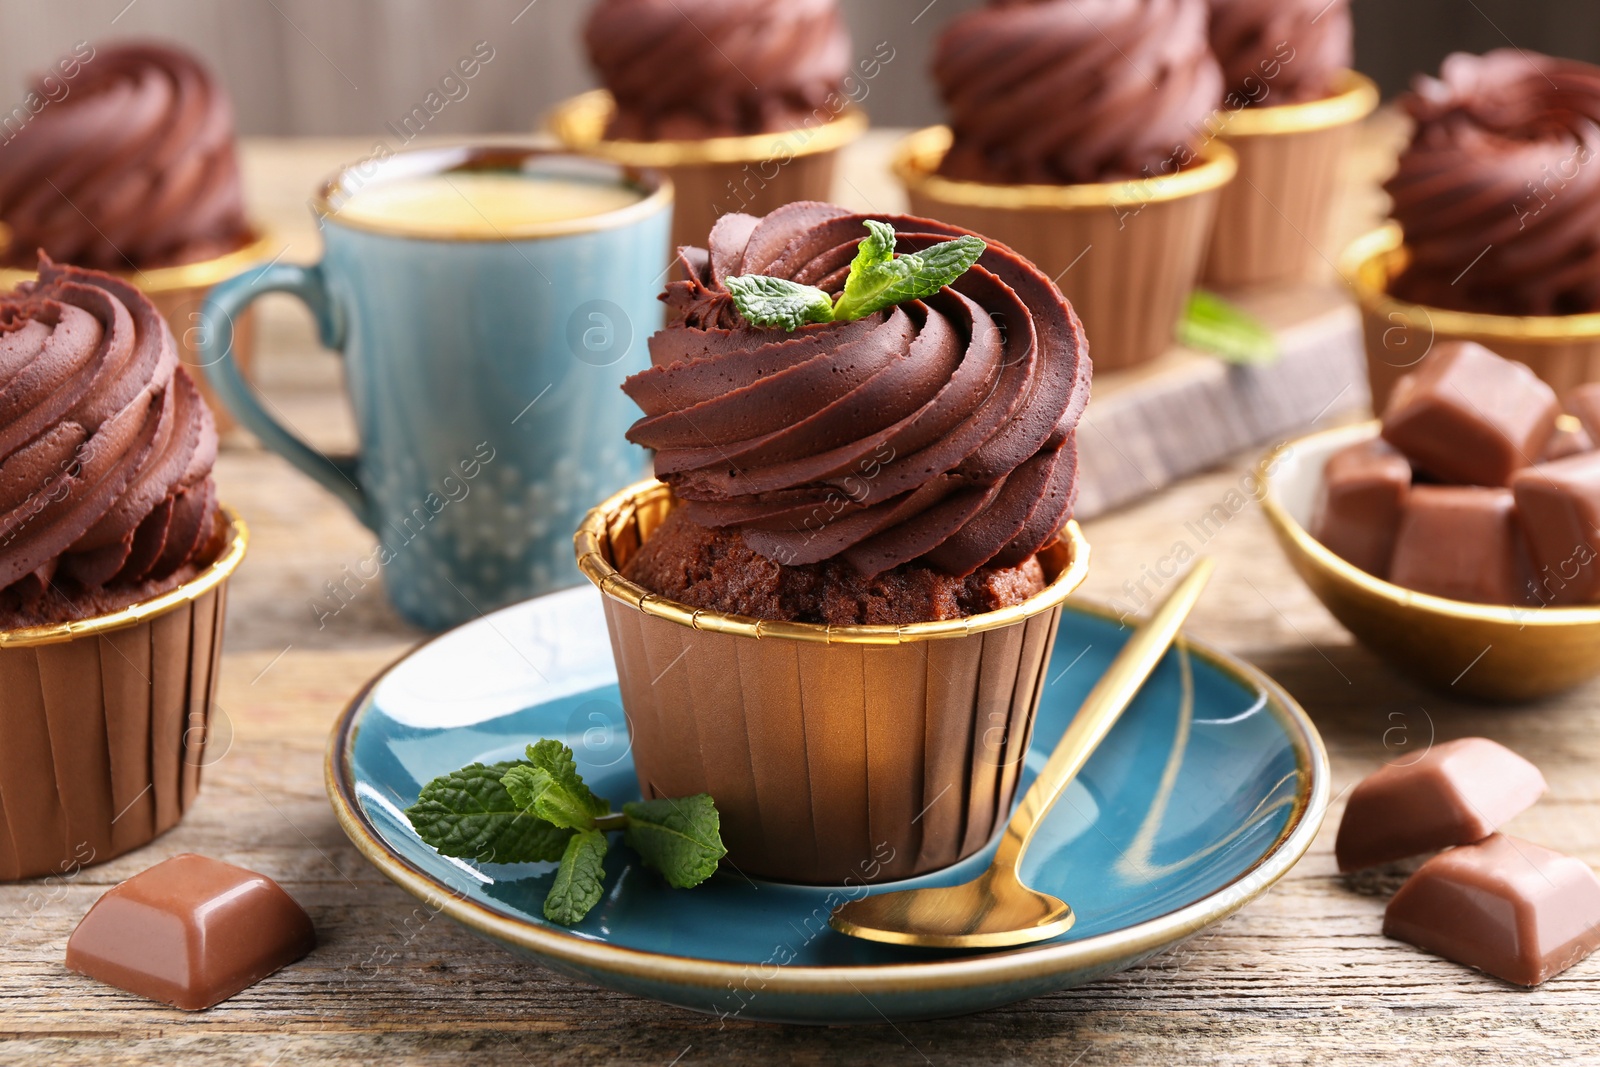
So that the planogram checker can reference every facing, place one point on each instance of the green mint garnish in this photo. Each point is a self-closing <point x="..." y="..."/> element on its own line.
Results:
<point x="539" y="810"/>
<point x="470" y="815"/>
<point x="1211" y="324"/>
<point x="578" y="881"/>
<point x="878" y="279"/>
<point x="680" y="838"/>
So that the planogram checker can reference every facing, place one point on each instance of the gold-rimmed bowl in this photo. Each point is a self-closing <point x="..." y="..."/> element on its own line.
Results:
<point x="753" y="174"/>
<point x="1564" y="350"/>
<point x="721" y="704"/>
<point x="1273" y="222"/>
<point x="106" y="721"/>
<point x="1126" y="253"/>
<point x="179" y="292"/>
<point x="1491" y="652"/>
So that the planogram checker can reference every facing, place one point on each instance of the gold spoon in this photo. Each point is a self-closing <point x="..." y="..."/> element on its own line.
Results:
<point x="996" y="909"/>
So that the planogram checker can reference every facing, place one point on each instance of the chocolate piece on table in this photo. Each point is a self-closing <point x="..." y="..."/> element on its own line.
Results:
<point x="1570" y="439"/>
<point x="1461" y="542"/>
<point x="1364" y="489"/>
<point x="1468" y="416"/>
<point x="1453" y="794"/>
<point x="1559" y="508"/>
<point x="1517" y="910"/>
<point x="190" y="932"/>
<point x="1584" y="402"/>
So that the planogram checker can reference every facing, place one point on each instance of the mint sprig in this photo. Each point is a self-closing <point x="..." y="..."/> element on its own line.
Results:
<point x="878" y="279"/>
<point x="1211" y="324"/>
<point x="539" y="810"/>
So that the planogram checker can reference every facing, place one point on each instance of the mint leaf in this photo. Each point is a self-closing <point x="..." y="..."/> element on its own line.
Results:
<point x="557" y="758"/>
<point x="875" y="250"/>
<point x="539" y="794"/>
<point x="680" y="838"/>
<point x="470" y="814"/>
<point x="875" y="284"/>
<point x="577" y="887"/>
<point x="777" y="303"/>
<point x="1211" y="324"/>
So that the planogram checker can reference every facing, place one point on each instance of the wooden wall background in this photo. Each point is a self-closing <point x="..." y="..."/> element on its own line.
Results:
<point x="307" y="67"/>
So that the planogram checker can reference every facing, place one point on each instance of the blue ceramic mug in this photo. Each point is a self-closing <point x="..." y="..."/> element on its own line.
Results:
<point x="484" y="372"/>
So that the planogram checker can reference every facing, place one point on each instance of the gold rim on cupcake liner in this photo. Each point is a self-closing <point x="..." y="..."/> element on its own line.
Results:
<point x="594" y="537"/>
<point x="1356" y="98"/>
<point x="133" y="614"/>
<point x="1375" y="259"/>
<point x="917" y="158"/>
<point x="156" y="281"/>
<point x="579" y="123"/>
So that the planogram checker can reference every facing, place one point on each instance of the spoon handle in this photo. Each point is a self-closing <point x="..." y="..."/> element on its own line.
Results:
<point x="1105" y="703"/>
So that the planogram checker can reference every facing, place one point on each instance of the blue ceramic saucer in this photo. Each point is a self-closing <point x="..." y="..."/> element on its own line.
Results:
<point x="1205" y="793"/>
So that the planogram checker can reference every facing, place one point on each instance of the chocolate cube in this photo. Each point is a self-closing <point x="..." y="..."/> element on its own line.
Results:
<point x="1468" y="417"/>
<point x="1569" y="439"/>
<point x="1584" y="402"/>
<point x="1461" y="542"/>
<point x="1455" y="793"/>
<point x="1517" y="910"/>
<point x="1559" y="507"/>
<point x="1364" y="490"/>
<point x="190" y="932"/>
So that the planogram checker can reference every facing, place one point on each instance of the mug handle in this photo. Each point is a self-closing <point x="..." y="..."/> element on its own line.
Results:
<point x="340" y="475"/>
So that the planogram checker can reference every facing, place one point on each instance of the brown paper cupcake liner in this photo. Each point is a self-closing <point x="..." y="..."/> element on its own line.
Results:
<point x="835" y="754"/>
<point x="1126" y="254"/>
<point x="750" y="174"/>
<point x="1564" y="350"/>
<point x="178" y="293"/>
<point x="1274" y="222"/>
<point x="103" y="724"/>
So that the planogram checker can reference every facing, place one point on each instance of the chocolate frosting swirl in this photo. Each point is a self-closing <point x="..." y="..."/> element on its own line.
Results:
<point x="1072" y="91"/>
<point x="1499" y="190"/>
<point x="134" y="168"/>
<point x="1281" y="51"/>
<point x="106" y="447"/>
<point x="716" y="68"/>
<point x="940" y="430"/>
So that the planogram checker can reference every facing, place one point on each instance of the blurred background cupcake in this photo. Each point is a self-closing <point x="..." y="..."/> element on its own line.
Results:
<point x="1495" y="235"/>
<point x="742" y="102"/>
<point x="131" y="169"/>
<point x="114" y="559"/>
<point x="1078" y="135"/>
<point x="1290" y="110"/>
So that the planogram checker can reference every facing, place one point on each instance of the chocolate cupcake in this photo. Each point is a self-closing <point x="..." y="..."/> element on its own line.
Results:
<point x="129" y="167"/>
<point x="1496" y="221"/>
<point x="745" y="103"/>
<point x="1078" y="130"/>
<point x="1290" y="110"/>
<point x="113" y="558"/>
<point x="884" y="504"/>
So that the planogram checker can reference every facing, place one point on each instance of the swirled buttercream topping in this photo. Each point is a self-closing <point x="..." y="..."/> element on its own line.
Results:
<point x="1499" y="190"/>
<point x="717" y="68"/>
<point x="1072" y="91"/>
<point x="1281" y="51"/>
<point x="106" y="447"/>
<point x="939" y="430"/>
<point x="134" y="168"/>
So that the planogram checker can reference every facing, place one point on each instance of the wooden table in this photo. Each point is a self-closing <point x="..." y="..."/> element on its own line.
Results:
<point x="1301" y="976"/>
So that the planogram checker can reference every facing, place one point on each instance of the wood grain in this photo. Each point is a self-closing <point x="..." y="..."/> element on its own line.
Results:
<point x="1301" y="976"/>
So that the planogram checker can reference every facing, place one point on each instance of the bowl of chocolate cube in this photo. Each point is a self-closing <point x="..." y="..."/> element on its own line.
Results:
<point x="1459" y="537"/>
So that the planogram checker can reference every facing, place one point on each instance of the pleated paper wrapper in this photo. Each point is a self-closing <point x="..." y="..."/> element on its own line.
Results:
<point x="103" y="725"/>
<point x="752" y="174"/>
<point x="1274" y="221"/>
<point x="835" y="755"/>
<point x="1563" y="350"/>
<point x="1126" y="254"/>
